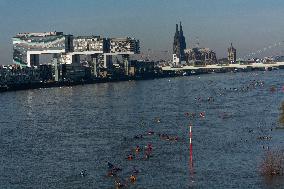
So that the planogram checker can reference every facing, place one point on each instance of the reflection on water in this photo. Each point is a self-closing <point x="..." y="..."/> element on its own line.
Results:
<point x="49" y="136"/>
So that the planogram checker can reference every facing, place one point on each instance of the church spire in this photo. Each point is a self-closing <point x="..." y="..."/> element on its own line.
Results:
<point x="180" y="27"/>
<point x="179" y="44"/>
<point x="176" y="28"/>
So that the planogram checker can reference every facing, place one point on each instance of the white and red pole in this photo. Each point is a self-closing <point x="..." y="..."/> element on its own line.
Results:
<point x="191" y="172"/>
<point x="190" y="143"/>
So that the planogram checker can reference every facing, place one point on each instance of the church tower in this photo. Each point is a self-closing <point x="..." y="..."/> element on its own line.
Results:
<point x="179" y="44"/>
<point x="232" y="54"/>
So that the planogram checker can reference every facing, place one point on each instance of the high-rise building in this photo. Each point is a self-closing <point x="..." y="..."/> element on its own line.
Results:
<point x="232" y="54"/>
<point x="179" y="45"/>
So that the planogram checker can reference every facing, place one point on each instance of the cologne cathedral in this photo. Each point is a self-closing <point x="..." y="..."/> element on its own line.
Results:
<point x="179" y="43"/>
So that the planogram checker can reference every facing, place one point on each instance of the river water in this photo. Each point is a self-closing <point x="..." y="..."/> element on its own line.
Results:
<point x="48" y="136"/>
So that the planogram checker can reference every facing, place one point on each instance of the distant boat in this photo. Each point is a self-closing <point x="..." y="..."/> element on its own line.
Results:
<point x="268" y="68"/>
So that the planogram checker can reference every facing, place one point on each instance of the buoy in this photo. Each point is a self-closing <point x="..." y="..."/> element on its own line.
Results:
<point x="118" y="184"/>
<point x="130" y="157"/>
<point x="202" y="114"/>
<point x="111" y="174"/>
<point x="137" y="149"/>
<point x="132" y="178"/>
<point x="149" y="147"/>
<point x="147" y="155"/>
<point x="83" y="173"/>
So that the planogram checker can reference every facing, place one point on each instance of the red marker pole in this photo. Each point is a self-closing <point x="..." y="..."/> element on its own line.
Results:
<point x="190" y="143"/>
<point x="191" y="172"/>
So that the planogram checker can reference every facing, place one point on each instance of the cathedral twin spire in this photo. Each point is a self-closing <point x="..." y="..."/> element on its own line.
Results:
<point x="180" y="32"/>
<point x="179" y="44"/>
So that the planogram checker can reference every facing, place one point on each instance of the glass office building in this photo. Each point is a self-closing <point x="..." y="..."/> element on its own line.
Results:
<point x="28" y="46"/>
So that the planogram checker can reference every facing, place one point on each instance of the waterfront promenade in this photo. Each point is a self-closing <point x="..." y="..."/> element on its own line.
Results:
<point x="158" y="72"/>
<point x="226" y="66"/>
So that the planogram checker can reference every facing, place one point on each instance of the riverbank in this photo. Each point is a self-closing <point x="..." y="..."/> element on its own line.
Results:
<point x="164" y="74"/>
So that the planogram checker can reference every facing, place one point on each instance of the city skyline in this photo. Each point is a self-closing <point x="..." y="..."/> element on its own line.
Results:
<point x="250" y="26"/>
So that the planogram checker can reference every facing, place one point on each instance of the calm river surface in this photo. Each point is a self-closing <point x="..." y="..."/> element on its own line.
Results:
<point x="48" y="136"/>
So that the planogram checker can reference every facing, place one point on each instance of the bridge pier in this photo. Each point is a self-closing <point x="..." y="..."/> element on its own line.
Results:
<point x="56" y="66"/>
<point x="126" y="63"/>
<point x="94" y="64"/>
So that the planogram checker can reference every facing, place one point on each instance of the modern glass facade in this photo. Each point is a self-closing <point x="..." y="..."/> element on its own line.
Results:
<point x="89" y="43"/>
<point x="124" y="46"/>
<point x="27" y="44"/>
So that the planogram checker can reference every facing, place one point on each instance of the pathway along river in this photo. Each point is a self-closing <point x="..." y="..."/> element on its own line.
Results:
<point x="48" y="136"/>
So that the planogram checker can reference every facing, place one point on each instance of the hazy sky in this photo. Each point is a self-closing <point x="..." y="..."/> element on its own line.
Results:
<point x="250" y="24"/>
